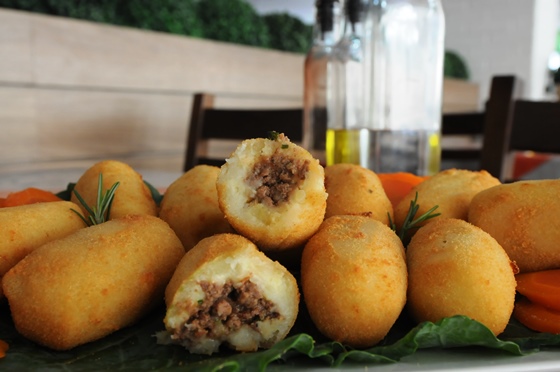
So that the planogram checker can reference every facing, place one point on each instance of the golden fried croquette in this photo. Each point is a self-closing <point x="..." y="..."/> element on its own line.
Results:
<point x="93" y="282"/>
<point x="25" y="228"/>
<point x="190" y="206"/>
<point x="225" y="291"/>
<point x="455" y="268"/>
<point x="356" y="190"/>
<point x="272" y="191"/>
<point x="354" y="279"/>
<point x="451" y="190"/>
<point x="132" y="196"/>
<point x="524" y="217"/>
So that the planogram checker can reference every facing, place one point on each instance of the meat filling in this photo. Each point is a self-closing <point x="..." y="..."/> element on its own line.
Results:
<point x="225" y="309"/>
<point x="275" y="177"/>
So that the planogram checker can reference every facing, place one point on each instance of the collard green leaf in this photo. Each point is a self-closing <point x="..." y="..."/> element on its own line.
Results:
<point x="156" y="195"/>
<point x="135" y="348"/>
<point x="67" y="194"/>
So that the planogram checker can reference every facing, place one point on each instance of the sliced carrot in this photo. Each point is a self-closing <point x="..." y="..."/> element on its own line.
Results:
<point x="29" y="196"/>
<point x="3" y="348"/>
<point x="536" y="316"/>
<point x="398" y="185"/>
<point x="541" y="287"/>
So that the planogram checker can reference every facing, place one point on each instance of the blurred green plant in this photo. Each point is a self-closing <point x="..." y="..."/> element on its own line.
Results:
<point x="288" y="33"/>
<point x="454" y="66"/>
<point x="234" y="21"/>
<point x="172" y="16"/>
<point x="98" y="11"/>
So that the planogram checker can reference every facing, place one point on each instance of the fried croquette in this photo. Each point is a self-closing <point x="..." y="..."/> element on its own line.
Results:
<point x="450" y="190"/>
<point x="524" y="217"/>
<point x="131" y="197"/>
<point x="190" y="206"/>
<point x="27" y="227"/>
<point x="356" y="190"/>
<point x="93" y="282"/>
<point x="455" y="268"/>
<point x="354" y="279"/>
<point x="272" y="191"/>
<point x="225" y="291"/>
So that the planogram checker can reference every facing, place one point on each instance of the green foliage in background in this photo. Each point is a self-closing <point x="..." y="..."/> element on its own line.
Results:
<point x="288" y="33"/>
<point x="98" y="11"/>
<point x="172" y="16"/>
<point x="454" y="66"/>
<point x="234" y="21"/>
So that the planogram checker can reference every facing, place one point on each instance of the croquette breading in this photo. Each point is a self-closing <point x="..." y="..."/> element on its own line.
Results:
<point x="355" y="190"/>
<point x="524" y="217"/>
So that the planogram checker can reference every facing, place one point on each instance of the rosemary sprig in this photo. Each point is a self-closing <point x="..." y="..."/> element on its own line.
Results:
<point x="410" y="222"/>
<point x="273" y="135"/>
<point x="100" y="212"/>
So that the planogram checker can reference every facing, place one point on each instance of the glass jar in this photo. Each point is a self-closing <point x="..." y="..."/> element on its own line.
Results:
<point x="401" y="81"/>
<point x="407" y="83"/>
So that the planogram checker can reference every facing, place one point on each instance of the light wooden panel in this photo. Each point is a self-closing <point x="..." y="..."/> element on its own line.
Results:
<point x="74" y="91"/>
<point x="460" y="96"/>
<point x="78" y="53"/>
<point x="15" y="47"/>
<point x="58" y="124"/>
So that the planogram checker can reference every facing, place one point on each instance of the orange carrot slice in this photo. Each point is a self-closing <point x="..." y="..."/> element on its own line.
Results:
<point x="398" y="185"/>
<point x="541" y="287"/>
<point x="3" y="348"/>
<point x="536" y="316"/>
<point x="29" y="196"/>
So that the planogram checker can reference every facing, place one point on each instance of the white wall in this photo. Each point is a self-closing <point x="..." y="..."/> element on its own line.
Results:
<point x="546" y="25"/>
<point x="504" y="37"/>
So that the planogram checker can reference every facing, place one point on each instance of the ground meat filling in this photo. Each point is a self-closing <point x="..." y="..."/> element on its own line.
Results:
<point x="225" y="309"/>
<point x="274" y="178"/>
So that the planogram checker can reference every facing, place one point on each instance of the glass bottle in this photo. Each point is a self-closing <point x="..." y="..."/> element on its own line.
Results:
<point x="407" y="39"/>
<point x="317" y="67"/>
<point x="347" y="133"/>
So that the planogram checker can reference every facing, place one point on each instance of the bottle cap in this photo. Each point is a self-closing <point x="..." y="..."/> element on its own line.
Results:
<point x="325" y="16"/>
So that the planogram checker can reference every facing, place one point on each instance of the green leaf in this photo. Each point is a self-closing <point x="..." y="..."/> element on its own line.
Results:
<point x="135" y="348"/>
<point x="67" y="194"/>
<point x="156" y="195"/>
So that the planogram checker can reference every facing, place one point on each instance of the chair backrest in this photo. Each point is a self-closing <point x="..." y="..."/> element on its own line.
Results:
<point x="209" y="123"/>
<point x="531" y="126"/>
<point x="468" y="125"/>
<point x="488" y="126"/>
<point x="535" y="126"/>
<point x="497" y="125"/>
<point x="494" y="125"/>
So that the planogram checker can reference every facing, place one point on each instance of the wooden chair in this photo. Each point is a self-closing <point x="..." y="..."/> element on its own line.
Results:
<point x="531" y="126"/>
<point x="493" y="125"/>
<point x="464" y="133"/>
<point x="209" y="123"/>
<point x="487" y="127"/>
